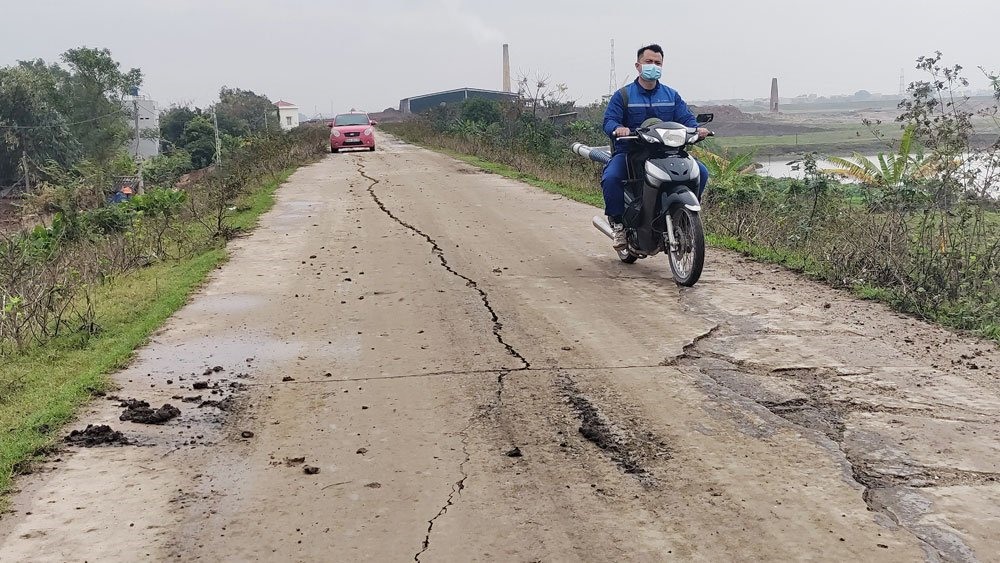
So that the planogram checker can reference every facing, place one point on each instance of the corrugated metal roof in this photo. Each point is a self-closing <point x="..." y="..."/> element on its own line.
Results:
<point x="461" y="90"/>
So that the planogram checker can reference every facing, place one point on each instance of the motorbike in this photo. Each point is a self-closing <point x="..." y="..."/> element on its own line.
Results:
<point x="661" y="205"/>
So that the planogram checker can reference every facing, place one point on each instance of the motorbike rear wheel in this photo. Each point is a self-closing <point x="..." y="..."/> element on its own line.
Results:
<point x="687" y="258"/>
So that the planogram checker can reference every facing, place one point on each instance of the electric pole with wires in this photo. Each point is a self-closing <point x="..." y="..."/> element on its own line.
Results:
<point x="138" y="157"/>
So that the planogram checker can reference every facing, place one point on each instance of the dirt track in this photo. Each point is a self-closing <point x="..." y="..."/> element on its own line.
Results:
<point x="476" y="377"/>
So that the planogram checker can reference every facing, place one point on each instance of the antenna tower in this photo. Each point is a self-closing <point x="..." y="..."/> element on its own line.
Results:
<point x="902" y="82"/>
<point x="613" y="80"/>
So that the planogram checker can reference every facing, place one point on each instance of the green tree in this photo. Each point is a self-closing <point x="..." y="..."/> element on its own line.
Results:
<point x="482" y="111"/>
<point x="51" y="113"/>
<point x="165" y="169"/>
<point x="32" y="128"/>
<point x="241" y="112"/>
<point x="172" y="123"/>
<point x="198" y="140"/>
<point x="93" y="95"/>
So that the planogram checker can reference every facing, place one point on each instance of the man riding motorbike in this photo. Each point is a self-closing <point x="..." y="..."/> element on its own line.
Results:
<point x="628" y="108"/>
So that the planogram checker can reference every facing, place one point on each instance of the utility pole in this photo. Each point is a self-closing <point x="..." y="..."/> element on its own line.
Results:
<point x="24" y="165"/>
<point x="138" y="158"/>
<point x="135" y="110"/>
<point x="218" y="144"/>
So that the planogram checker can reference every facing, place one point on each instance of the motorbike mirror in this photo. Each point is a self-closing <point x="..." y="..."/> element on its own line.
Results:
<point x="705" y="117"/>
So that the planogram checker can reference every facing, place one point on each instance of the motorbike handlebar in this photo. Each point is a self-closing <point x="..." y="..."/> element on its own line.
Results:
<point x="633" y="136"/>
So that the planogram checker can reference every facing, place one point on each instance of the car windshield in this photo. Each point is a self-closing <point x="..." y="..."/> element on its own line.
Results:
<point x="351" y="119"/>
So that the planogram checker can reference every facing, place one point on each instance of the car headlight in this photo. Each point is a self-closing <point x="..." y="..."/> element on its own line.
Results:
<point x="335" y="133"/>
<point x="368" y="131"/>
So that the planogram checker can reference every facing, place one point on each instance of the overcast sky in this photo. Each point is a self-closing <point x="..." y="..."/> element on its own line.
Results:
<point x="367" y="54"/>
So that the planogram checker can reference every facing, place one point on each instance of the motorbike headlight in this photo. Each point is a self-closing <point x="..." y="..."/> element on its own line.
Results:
<point x="334" y="133"/>
<point x="368" y="131"/>
<point x="673" y="137"/>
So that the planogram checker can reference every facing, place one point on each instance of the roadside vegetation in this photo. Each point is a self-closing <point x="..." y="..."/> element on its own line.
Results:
<point x="84" y="281"/>
<point x="916" y="227"/>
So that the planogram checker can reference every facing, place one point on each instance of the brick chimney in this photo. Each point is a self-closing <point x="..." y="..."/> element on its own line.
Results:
<point x="506" y="68"/>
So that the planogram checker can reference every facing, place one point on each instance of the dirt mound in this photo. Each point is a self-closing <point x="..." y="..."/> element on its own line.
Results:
<point x="389" y="115"/>
<point x="194" y="177"/>
<point x="723" y="113"/>
<point x="140" y="412"/>
<point x="96" y="436"/>
<point x="225" y="404"/>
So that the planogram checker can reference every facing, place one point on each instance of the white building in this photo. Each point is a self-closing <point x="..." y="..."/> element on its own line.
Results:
<point x="288" y="114"/>
<point x="148" y="143"/>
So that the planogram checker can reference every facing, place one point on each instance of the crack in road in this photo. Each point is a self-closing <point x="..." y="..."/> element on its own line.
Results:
<point x="501" y="375"/>
<point x="820" y="412"/>
<point x="456" y="489"/>
<point x="439" y="252"/>
<point x="497" y="332"/>
<point x="685" y="351"/>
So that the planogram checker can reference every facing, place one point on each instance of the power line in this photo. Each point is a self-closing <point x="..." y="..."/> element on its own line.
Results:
<point x="119" y="112"/>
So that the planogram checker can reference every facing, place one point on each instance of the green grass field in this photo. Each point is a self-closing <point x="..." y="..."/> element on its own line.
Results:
<point x="839" y="140"/>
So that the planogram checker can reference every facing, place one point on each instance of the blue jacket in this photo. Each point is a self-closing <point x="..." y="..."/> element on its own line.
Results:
<point x="662" y="102"/>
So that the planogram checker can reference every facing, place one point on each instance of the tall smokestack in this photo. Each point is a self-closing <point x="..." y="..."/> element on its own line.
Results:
<point x="506" y="68"/>
<point x="774" y="95"/>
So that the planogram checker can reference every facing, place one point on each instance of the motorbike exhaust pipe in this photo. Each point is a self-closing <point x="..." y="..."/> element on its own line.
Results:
<point x="597" y="155"/>
<point x="602" y="225"/>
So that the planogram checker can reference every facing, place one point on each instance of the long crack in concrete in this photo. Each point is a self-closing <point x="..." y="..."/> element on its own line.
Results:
<point x="497" y="332"/>
<point x="439" y="252"/>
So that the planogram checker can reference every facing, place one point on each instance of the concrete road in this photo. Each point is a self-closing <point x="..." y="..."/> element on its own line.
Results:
<point x="476" y="377"/>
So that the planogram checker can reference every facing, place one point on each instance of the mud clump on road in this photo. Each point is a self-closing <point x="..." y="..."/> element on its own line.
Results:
<point x="140" y="412"/>
<point x="224" y="405"/>
<point x="597" y="430"/>
<point x="94" y="436"/>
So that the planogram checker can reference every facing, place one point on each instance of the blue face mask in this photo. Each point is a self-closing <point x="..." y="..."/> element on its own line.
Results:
<point x="651" y="72"/>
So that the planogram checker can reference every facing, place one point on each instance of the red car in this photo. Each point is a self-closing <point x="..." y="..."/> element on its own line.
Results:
<point x="352" y="130"/>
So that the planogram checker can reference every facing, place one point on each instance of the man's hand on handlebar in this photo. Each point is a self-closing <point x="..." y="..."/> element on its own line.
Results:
<point x="702" y="133"/>
<point x="622" y="132"/>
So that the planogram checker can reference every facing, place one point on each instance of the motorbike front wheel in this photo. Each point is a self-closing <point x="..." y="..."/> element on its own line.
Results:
<point x="687" y="256"/>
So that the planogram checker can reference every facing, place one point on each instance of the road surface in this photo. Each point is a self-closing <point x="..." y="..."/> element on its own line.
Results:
<point x="476" y="377"/>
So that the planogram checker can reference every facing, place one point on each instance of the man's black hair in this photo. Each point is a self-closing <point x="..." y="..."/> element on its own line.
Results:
<point x="654" y="48"/>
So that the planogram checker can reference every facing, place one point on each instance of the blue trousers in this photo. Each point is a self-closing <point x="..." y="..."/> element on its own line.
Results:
<point x="616" y="172"/>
